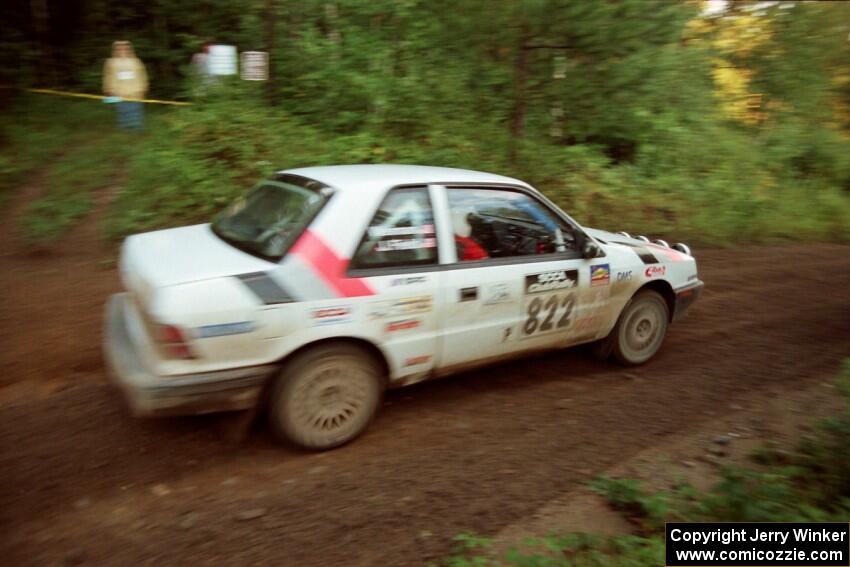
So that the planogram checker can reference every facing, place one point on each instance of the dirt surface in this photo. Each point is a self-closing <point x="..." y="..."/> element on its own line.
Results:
<point x="83" y="482"/>
<point x="775" y="420"/>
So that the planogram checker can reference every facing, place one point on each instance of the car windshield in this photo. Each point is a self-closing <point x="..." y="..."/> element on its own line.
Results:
<point x="268" y="219"/>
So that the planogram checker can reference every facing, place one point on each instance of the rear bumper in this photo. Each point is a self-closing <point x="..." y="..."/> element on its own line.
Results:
<point x="149" y="394"/>
<point x="685" y="297"/>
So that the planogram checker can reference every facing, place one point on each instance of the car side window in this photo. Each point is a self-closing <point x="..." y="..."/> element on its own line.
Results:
<point x="401" y="233"/>
<point x="500" y="223"/>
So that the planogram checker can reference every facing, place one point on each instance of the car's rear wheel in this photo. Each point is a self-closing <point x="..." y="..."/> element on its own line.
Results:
<point x="641" y="329"/>
<point x="326" y="396"/>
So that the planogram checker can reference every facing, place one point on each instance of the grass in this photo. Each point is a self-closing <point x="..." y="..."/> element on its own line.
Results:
<point x="73" y="145"/>
<point x="808" y="484"/>
<point x="70" y="182"/>
<point x="26" y="145"/>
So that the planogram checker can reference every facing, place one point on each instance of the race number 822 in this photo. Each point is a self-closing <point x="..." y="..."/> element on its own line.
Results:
<point x="549" y="301"/>
<point x="548" y="313"/>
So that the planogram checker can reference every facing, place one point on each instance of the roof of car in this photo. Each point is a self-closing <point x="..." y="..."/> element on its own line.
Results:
<point x="381" y="176"/>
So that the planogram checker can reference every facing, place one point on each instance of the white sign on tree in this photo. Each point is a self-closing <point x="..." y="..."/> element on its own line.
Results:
<point x="255" y="65"/>
<point x="222" y="59"/>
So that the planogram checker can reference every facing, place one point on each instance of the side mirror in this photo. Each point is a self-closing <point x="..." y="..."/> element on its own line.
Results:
<point x="590" y="249"/>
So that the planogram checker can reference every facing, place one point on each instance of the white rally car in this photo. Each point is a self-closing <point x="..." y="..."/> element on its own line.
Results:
<point x="323" y="286"/>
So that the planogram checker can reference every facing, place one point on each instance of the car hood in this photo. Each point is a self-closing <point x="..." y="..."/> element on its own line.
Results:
<point x="606" y="236"/>
<point x="675" y="253"/>
<point x="182" y="255"/>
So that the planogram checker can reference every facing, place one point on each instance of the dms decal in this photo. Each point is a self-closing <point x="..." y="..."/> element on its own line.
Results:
<point x="624" y="276"/>
<point x="403" y="325"/>
<point x="210" y="331"/>
<point x="331" y="315"/>
<point x="653" y="271"/>
<point x="600" y="274"/>
<point x="551" y="281"/>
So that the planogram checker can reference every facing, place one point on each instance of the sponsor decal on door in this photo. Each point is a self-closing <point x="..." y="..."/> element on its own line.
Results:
<point x="600" y="274"/>
<point x="400" y="307"/>
<point x="549" y="302"/>
<point x="497" y="293"/>
<point x="403" y="325"/>
<point x="417" y="360"/>
<point x="331" y="315"/>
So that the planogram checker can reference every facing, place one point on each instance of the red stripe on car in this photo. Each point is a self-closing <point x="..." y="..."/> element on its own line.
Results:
<point x="313" y="251"/>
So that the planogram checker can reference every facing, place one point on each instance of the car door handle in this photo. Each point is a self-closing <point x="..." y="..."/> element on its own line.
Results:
<point x="468" y="293"/>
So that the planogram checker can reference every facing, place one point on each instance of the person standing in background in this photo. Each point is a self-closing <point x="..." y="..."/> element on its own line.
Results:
<point x="200" y="62"/>
<point x="200" y="71"/>
<point x="124" y="76"/>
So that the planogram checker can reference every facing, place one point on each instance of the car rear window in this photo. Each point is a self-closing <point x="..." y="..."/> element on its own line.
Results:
<point x="268" y="219"/>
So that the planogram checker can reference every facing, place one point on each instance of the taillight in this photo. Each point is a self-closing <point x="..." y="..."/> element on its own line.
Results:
<point x="173" y="341"/>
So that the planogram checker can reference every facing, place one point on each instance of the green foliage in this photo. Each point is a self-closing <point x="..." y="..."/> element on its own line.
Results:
<point x="608" y="107"/>
<point x="69" y="183"/>
<point x="750" y="496"/>
<point x="577" y="550"/>
<point x="825" y="458"/>
<point x="648" y="511"/>
<point x="811" y="484"/>
<point x="199" y="158"/>
<point x="811" y="38"/>
<point x="34" y="130"/>
<point x="580" y="550"/>
<point x="769" y="454"/>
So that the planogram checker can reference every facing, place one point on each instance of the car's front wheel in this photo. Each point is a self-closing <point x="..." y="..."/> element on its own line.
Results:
<point x="326" y="396"/>
<point x="641" y="329"/>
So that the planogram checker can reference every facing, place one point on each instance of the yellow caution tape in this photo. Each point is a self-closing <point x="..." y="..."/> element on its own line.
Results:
<point x="100" y="97"/>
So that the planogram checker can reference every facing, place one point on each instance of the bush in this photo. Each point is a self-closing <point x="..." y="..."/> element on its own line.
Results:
<point x="710" y="183"/>
<point x="37" y="128"/>
<point x="69" y="183"/>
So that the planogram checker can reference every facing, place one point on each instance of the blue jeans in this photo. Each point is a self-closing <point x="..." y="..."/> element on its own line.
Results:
<point x="130" y="115"/>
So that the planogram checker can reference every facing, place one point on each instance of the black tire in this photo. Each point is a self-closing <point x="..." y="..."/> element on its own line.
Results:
<point x="325" y="396"/>
<point x="601" y="349"/>
<point x="641" y="328"/>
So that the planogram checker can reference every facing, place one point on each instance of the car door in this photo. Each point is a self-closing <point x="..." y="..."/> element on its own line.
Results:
<point x="514" y="280"/>
<point x="398" y="254"/>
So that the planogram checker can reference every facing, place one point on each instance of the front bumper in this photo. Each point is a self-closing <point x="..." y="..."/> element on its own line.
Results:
<point x="685" y="297"/>
<point x="149" y="394"/>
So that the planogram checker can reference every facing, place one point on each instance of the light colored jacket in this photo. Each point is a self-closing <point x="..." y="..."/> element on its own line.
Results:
<point x="125" y="77"/>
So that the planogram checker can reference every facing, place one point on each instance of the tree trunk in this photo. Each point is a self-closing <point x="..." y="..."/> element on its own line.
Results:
<point x="46" y="69"/>
<point x="271" y="19"/>
<point x="159" y="21"/>
<point x="520" y="88"/>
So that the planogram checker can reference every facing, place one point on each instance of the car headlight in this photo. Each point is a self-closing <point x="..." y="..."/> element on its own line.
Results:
<point x="683" y="248"/>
